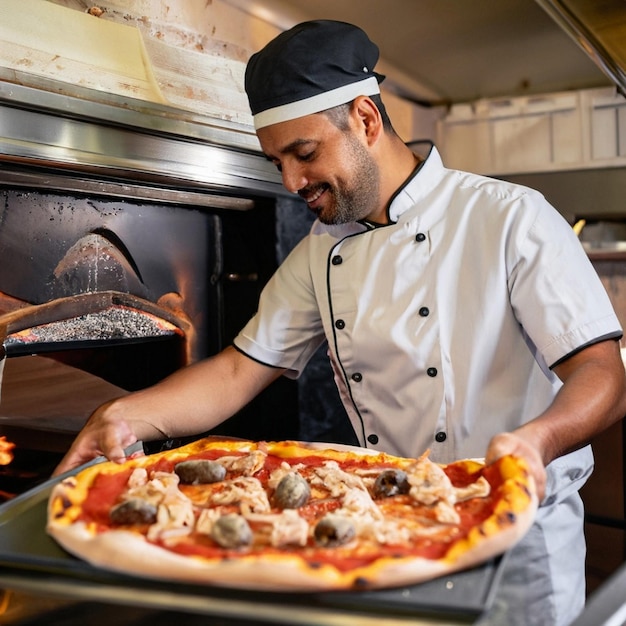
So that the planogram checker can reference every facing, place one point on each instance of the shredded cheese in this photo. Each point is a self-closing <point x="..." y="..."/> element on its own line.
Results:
<point x="246" y="491"/>
<point x="478" y="489"/>
<point x="335" y="480"/>
<point x="287" y="527"/>
<point x="246" y="465"/>
<point x="431" y="486"/>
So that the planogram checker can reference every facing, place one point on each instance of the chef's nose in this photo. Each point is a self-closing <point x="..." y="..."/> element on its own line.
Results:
<point x="293" y="178"/>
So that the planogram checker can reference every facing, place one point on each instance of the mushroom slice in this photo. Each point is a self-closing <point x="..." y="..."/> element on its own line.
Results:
<point x="292" y="492"/>
<point x="200" y="471"/>
<point x="333" y="531"/>
<point x="391" y="482"/>
<point x="134" y="511"/>
<point x="231" y="531"/>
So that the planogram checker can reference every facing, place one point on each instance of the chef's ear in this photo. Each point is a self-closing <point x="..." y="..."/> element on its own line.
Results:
<point x="368" y="118"/>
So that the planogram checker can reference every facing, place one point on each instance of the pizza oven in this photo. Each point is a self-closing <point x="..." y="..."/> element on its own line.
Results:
<point x="132" y="242"/>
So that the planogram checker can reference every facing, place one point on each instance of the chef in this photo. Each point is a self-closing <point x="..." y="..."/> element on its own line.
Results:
<point x="461" y="313"/>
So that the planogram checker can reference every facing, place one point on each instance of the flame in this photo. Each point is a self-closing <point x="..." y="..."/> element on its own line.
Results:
<point x="5" y="601"/>
<point x="6" y="456"/>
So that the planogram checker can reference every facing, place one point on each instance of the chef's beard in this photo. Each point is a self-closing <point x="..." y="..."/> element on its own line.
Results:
<point x="359" y="197"/>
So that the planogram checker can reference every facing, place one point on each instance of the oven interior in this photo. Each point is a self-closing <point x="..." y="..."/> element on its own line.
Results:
<point x="103" y="295"/>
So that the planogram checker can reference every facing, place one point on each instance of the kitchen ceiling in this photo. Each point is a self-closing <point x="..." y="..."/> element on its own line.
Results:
<point x="450" y="51"/>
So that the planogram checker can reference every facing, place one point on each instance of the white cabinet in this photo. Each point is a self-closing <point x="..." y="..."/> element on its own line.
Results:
<point x="608" y="127"/>
<point x="560" y="131"/>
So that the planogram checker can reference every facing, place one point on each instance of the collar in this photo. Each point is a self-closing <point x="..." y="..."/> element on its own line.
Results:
<point x="426" y="176"/>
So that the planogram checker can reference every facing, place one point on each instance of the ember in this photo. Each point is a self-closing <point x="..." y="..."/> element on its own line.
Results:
<point x="6" y="454"/>
<point x="113" y="323"/>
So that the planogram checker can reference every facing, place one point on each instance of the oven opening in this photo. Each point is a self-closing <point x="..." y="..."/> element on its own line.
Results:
<point x="109" y="294"/>
<point x="131" y="244"/>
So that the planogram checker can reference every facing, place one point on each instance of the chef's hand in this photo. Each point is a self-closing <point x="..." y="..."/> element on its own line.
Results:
<point x="513" y="444"/>
<point x="106" y="433"/>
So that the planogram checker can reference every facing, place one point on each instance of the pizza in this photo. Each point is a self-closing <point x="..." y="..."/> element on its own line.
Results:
<point x="290" y="515"/>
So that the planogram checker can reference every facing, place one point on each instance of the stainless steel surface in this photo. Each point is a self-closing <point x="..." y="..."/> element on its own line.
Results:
<point x="45" y="181"/>
<point x="607" y="606"/>
<point x="181" y="604"/>
<point x="125" y="140"/>
<point x="599" y="28"/>
<point x="25" y="89"/>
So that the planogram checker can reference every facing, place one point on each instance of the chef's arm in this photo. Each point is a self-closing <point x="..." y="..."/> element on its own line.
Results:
<point x="592" y="398"/>
<point x="190" y="401"/>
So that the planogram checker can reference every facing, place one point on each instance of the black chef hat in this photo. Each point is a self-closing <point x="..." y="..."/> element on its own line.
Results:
<point x="312" y="67"/>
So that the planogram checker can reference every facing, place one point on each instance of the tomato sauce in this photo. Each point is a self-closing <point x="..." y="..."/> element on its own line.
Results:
<point x="102" y="495"/>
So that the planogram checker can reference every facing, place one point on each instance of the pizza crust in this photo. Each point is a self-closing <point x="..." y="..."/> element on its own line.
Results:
<point x="128" y="552"/>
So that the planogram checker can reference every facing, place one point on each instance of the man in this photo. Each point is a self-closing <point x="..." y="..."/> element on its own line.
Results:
<point x="461" y="313"/>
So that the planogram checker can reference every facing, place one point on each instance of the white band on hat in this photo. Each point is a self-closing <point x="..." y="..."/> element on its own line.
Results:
<point x="315" y="104"/>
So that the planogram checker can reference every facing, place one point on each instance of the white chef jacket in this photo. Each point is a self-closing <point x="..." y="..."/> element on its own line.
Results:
<point x="443" y="325"/>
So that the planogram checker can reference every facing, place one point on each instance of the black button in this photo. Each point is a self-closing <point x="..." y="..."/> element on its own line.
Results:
<point x="424" y="311"/>
<point x="432" y="371"/>
<point x="373" y="439"/>
<point x="420" y="237"/>
<point x="440" y="437"/>
<point x="337" y="260"/>
<point x="357" y="377"/>
<point x="340" y="324"/>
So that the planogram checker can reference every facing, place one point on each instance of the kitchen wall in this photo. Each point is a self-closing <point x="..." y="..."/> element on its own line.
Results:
<point x="198" y="50"/>
<point x="581" y="193"/>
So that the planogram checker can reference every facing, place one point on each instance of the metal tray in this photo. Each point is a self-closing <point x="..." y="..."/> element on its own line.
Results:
<point x="31" y="560"/>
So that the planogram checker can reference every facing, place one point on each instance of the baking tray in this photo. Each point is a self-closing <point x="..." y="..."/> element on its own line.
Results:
<point x="30" y="559"/>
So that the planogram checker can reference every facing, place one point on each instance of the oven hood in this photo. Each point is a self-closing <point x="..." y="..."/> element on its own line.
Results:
<point x="97" y="142"/>
<point x="599" y="28"/>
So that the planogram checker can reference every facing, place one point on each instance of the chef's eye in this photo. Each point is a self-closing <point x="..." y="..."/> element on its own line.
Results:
<point x="308" y="156"/>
